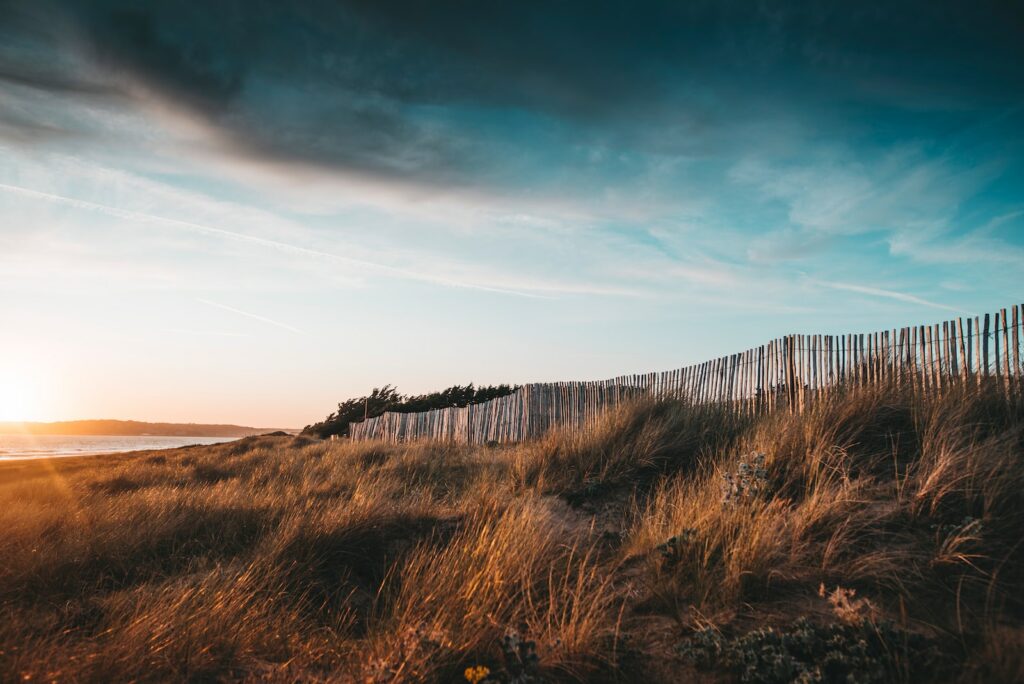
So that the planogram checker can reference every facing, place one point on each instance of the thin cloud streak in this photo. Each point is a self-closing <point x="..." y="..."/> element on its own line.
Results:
<point x="252" y="239"/>
<point x="887" y="294"/>
<point x="206" y="333"/>
<point x="253" y="316"/>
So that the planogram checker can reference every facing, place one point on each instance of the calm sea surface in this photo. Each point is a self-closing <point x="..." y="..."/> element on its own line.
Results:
<point x="37" y="446"/>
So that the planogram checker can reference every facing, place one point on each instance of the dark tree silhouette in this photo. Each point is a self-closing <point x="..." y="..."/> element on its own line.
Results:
<point x="387" y="398"/>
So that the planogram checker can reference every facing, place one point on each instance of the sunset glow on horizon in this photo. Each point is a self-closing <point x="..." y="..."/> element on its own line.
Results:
<point x="225" y="214"/>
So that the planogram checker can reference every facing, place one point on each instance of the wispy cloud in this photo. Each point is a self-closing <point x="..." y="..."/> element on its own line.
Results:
<point x="976" y="247"/>
<point x="886" y="294"/>
<point x="382" y="269"/>
<point x="255" y="317"/>
<point x="904" y="190"/>
<point x="999" y="220"/>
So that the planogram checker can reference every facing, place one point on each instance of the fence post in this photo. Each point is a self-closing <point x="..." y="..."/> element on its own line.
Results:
<point x="794" y="346"/>
<point x="944" y="351"/>
<point x="984" y="354"/>
<point x="1006" y="352"/>
<point x="900" y="355"/>
<point x="963" y="349"/>
<point x="995" y="336"/>
<point x="1016" y="344"/>
<point x="872" y="352"/>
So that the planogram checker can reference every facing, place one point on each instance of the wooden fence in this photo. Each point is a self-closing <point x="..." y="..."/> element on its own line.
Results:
<point x="785" y="373"/>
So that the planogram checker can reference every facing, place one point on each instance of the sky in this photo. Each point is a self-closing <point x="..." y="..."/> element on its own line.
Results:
<point x="249" y="211"/>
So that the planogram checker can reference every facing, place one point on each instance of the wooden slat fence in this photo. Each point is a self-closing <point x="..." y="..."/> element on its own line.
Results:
<point x="786" y="373"/>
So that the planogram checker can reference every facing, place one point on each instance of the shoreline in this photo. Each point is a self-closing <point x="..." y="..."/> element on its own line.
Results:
<point x="61" y="451"/>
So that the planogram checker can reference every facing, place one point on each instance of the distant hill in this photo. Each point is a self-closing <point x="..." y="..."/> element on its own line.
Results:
<point x="132" y="428"/>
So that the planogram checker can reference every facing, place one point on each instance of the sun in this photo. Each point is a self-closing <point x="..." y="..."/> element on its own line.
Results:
<point x="18" y="396"/>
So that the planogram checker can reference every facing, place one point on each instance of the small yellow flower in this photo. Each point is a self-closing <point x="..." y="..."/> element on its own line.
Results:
<point x="474" y="675"/>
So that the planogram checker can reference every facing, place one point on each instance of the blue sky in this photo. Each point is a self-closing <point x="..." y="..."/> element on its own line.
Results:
<point x="242" y="213"/>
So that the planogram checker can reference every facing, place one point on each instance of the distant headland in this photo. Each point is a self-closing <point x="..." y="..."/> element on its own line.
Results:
<point x="133" y="428"/>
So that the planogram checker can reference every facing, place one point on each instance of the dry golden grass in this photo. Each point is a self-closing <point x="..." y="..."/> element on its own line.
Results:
<point x="288" y="559"/>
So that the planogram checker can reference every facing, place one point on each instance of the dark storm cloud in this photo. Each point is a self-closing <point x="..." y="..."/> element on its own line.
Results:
<point x="53" y="82"/>
<point x="433" y="91"/>
<point x="189" y="70"/>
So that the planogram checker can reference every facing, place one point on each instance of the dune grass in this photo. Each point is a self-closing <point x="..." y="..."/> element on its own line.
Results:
<point x="881" y="534"/>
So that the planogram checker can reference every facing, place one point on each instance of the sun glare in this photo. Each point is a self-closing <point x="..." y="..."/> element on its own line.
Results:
<point x="18" y="396"/>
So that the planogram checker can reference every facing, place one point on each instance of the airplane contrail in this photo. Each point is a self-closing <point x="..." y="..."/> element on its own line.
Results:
<point x="257" y="317"/>
<point x="888" y="294"/>
<point x="252" y="239"/>
<point x="210" y="333"/>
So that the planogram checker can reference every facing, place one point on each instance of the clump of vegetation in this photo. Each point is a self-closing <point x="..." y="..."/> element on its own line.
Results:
<point x="675" y="548"/>
<point x="387" y="398"/>
<point x="520" y="664"/>
<point x="805" y="653"/>
<point x="846" y="606"/>
<point x="624" y="449"/>
<point x="279" y="559"/>
<point x="748" y="482"/>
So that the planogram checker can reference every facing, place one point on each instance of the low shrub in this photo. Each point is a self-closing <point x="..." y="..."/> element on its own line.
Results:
<point x="861" y="653"/>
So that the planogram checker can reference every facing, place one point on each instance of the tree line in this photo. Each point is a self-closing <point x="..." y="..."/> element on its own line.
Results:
<point x="387" y="398"/>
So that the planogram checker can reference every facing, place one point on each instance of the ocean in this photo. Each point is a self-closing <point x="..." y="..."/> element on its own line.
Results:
<point x="40" y="446"/>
